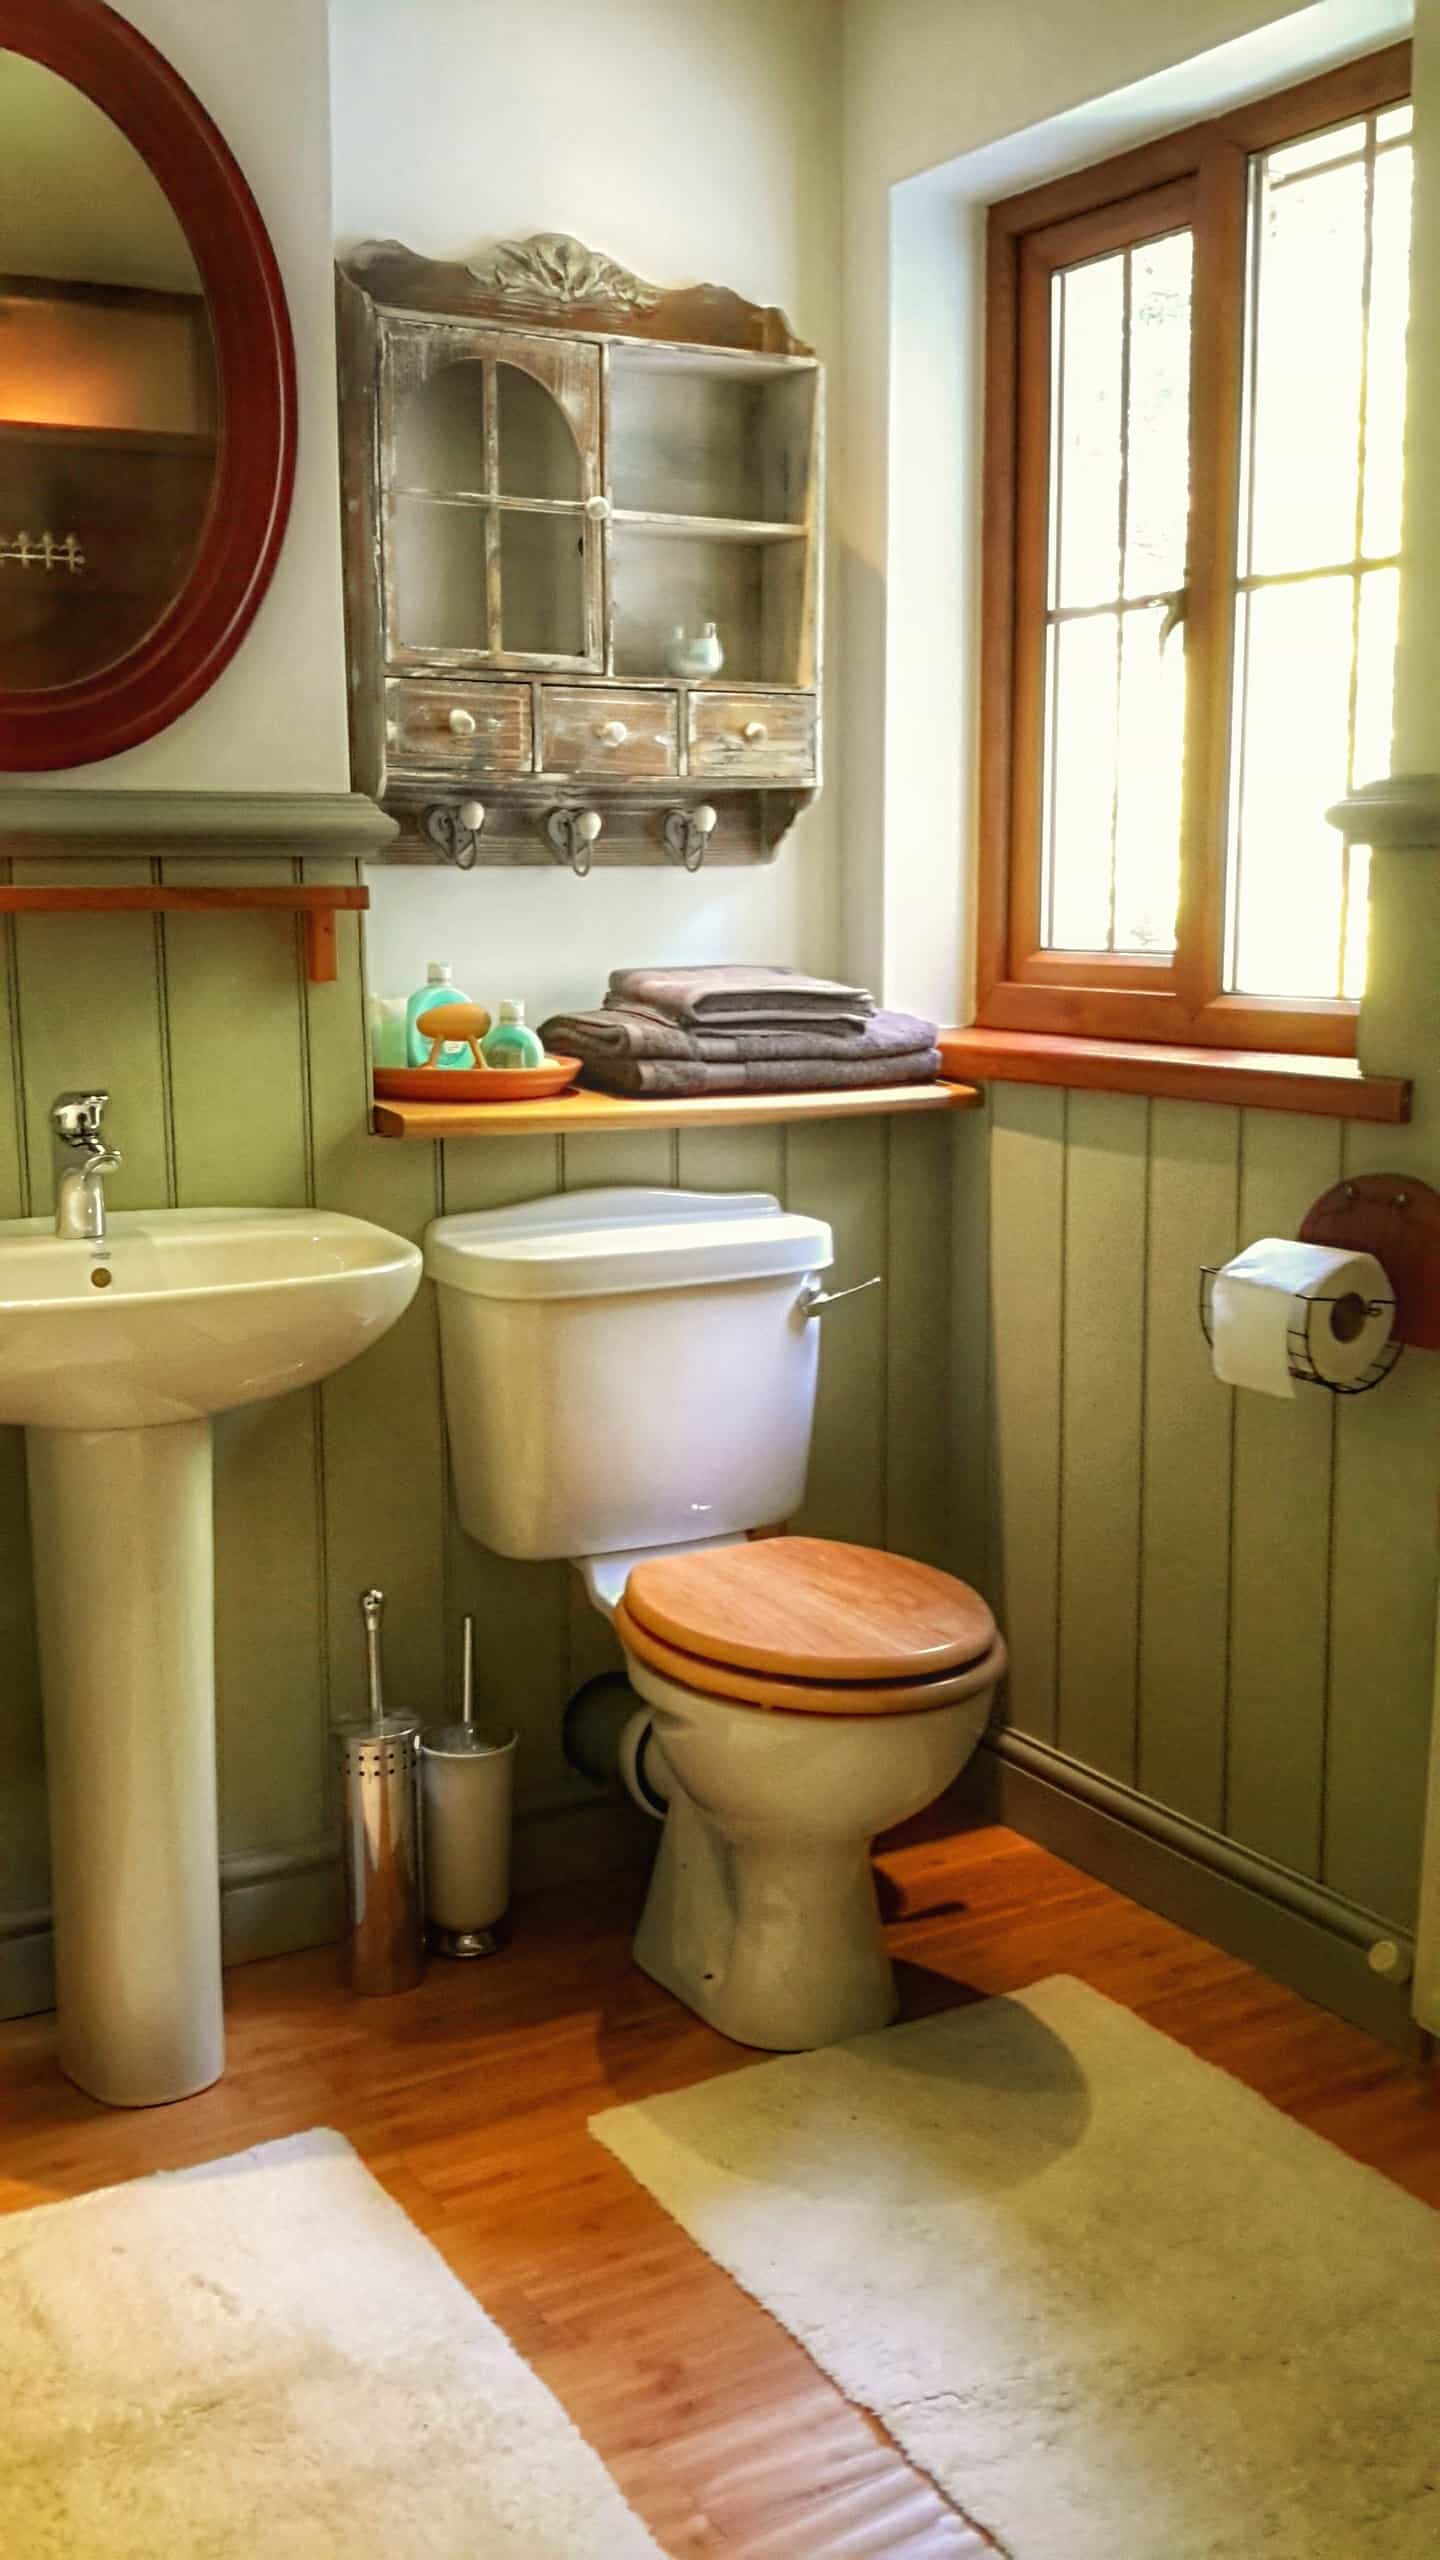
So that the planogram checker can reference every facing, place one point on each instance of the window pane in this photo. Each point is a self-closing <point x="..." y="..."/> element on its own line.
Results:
<point x="1294" y="648"/>
<point x="1385" y="365"/>
<point x="1157" y="497"/>
<point x="1120" y="497"/>
<point x="1307" y="287"/>
<point x="1147" y="828"/>
<point x="1316" y="150"/>
<point x="1080" y="795"/>
<point x="1328" y="305"/>
<point x="1088" y="315"/>
<point x="1395" y="122"/>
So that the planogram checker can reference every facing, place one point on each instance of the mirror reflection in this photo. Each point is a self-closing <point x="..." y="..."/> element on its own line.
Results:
<point x="108" y="388"/>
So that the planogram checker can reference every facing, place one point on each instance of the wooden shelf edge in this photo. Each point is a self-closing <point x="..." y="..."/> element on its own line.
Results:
<point x="581" y="1114"/>
<point x="1253" y="1079"/>
<point x="316" y="907"/>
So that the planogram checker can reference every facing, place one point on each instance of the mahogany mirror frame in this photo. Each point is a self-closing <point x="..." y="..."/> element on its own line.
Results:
<point x="90" y="45"/>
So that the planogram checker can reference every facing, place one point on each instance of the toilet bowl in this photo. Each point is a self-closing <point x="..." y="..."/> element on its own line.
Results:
<point x="630" y="1382"/>
<point x="762" y="1914"/>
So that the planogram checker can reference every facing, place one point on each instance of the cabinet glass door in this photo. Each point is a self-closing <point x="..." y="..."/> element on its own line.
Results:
<point x="492" y="453"/>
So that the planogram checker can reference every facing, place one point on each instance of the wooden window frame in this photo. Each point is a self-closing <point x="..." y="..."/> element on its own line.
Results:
<point x="1198" y="176"/>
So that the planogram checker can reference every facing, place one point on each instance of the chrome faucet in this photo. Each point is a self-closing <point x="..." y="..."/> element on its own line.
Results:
<point x="76" y="1120"/>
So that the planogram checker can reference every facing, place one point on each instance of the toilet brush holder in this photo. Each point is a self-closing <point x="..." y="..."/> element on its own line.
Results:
<point x="467" y="1787"/>
<point x="377" y="1767"/>
<point x="384" y="1942"/>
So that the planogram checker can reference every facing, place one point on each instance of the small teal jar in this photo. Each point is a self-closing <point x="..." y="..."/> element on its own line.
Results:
<point x="512" y="1043"/>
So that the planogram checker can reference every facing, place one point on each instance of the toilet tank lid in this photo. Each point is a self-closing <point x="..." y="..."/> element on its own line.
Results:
<point x="606" y="1243"/>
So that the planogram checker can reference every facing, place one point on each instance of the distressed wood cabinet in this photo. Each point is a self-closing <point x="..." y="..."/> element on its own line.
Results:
<point x="552" y="470"/>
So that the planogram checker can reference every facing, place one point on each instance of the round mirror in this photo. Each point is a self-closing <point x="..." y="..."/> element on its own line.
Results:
<point x="109" y="403"/>
<point x="146" y="390"/>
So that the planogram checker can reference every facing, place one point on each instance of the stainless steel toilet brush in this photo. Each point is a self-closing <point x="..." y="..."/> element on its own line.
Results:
<point x="377" y="1763"/>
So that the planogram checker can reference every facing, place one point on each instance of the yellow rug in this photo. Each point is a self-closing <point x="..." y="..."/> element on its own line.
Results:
<point x="1117" y="2306"/>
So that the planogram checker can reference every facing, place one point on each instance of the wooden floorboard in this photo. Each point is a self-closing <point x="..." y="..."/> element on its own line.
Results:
<point x="469" y="2097"/>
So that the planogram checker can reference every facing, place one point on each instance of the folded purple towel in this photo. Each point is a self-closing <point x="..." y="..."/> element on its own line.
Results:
<point x="678" y="1079"/>
<point x="635" y="1031"/>
<point x="727" y="996"/>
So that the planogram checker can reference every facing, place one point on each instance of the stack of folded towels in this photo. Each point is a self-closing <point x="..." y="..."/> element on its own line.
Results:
<point x="668" y="1033"/>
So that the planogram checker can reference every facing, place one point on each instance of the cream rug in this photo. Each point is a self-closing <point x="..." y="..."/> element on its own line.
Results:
<point x="1117" y="2306"/>
<point x="264" y="2360"/>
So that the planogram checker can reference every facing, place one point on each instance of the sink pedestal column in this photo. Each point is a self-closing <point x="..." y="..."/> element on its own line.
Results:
<point x="123" y="1536"/>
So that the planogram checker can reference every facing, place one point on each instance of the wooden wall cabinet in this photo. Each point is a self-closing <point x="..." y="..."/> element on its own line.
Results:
<point x="549" y="466"/>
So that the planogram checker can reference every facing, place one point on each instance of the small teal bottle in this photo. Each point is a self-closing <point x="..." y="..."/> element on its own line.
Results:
<point x="512" y="1043"/>
<point x="437" y="990"/>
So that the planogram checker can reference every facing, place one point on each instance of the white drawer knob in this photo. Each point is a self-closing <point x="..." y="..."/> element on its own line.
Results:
<point x="462" y="722"/>
<point x="754" y="733"/>
<point x="598" y="510"/>
<point x="612" y="733"/>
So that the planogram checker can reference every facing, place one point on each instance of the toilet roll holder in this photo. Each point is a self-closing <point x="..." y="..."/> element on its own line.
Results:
<point x="1343" y="1315"/>
<point x="1397" y="1219"/>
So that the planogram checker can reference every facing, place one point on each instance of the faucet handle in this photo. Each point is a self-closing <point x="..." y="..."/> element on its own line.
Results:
<point x="76" y="1117"/>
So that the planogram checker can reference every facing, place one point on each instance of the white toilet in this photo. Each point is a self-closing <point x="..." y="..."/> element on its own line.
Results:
<point x="630" y="1383"/>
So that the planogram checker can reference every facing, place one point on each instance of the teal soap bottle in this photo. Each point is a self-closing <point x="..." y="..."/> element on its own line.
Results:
<point x="437" y="990"/>
<point x="512" y="1043"/>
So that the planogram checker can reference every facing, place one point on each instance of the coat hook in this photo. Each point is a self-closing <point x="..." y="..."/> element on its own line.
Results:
<point x="571" y="834"/>
<point x="688" y="833"/>
<point x="455" y="833"/>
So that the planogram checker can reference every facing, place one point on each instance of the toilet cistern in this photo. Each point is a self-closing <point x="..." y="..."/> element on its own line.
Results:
<point x="75" y="1122"/>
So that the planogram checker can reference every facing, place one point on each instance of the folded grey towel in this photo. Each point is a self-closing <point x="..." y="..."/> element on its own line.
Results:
<point x="726" y="996"/>
<point x="679" y="1079"/>
<point x="635" y="1031"/>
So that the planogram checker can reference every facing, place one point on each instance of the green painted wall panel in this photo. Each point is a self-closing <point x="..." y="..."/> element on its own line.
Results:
<point x="236" y="1064"/>
<point x="1280" y="1554"/>
<point x="270" y="1665"/>
<point x="839" y="1171"/>
<point x="1027" y="1212"/>
<point x="971" y="1473"/>
<point x="92" y="1012"/>
<point x="1185" y="1466"/>
<point x="1382" y="1620"/>
<point x="917" y="1340"/>
<point x="731" y="1160"/>
<point x="1100" y="1427"/>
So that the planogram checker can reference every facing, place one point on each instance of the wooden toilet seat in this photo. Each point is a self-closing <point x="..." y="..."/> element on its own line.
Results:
<point x="808" y="1624"/>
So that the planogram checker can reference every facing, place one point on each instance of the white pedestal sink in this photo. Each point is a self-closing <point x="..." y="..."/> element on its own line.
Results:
<point x="114" y="1355"/>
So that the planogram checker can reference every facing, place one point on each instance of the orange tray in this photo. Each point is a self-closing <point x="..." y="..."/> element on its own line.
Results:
<point x="476" y="1084"/>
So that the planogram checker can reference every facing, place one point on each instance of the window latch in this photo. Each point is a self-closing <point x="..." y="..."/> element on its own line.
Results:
<point x="1174" y="614"/>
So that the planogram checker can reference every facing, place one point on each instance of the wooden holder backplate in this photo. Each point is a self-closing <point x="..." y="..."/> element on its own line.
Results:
<point x="1396" y="1218"/>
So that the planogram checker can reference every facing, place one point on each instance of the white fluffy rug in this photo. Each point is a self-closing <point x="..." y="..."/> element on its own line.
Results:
<point x="1117" y="2306"/>
<point x="264" y="2360"/>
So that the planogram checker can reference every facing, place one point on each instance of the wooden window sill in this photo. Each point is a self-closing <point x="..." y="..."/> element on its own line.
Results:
<point x="580" y="1114"/>
<point x="1256" y="1079"/>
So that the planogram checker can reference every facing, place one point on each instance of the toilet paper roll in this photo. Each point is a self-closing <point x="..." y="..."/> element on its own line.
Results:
<point x="1259" y="1297"/>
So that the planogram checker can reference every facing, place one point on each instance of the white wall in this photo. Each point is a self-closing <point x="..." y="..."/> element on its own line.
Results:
<point x="944" y="110"/>
<point x="696" y="143"/>
<point x="275" y="720"/>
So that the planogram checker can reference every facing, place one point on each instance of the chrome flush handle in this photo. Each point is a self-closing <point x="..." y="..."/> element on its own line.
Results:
<point x="815" y="1298"/>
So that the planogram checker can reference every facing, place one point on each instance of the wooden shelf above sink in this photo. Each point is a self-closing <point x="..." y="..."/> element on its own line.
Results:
<point x="317" y="908"/>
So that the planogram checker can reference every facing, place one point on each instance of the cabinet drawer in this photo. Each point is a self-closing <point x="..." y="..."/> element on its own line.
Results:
<point x="460" y="729"/>
<point x="600" y="731"/>
<point x="753" y="737"/>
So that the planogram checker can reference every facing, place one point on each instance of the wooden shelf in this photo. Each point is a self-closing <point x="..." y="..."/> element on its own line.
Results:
<point x="1256" y="1079"/>
<point x="318" y="907"/>
<point x="579" y="1114"/>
